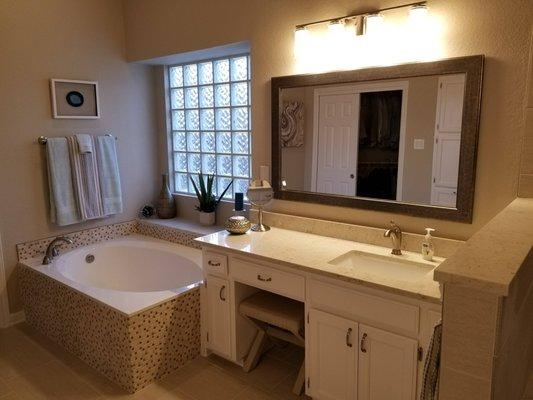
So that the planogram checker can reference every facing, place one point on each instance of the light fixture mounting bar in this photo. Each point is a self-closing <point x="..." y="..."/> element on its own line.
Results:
<point x="354" y="16"/>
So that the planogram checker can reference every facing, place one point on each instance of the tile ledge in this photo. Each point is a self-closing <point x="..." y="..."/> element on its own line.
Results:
<point x="183" y="225"/>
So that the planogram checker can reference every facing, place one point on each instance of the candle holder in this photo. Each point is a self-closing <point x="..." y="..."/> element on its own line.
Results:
<point x="260" y="194"/>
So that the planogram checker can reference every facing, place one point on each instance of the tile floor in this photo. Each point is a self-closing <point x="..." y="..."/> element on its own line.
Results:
<point x="32" y="367"/>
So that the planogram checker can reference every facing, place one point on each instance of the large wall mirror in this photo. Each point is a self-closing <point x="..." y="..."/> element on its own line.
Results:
<point x="399" y="139"/>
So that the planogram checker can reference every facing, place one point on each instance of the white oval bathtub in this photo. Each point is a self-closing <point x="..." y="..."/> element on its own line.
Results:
<point x="129" y="274"/>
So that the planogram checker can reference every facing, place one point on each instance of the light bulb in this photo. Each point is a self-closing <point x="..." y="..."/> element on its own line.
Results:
<point x="301" y="40"/>
<point x="336" y="27"/>
<point x="373" y="24"/>
<point x="418" y="12"/>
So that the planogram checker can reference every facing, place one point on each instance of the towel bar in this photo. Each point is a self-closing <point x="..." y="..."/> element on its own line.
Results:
<point x="43" y="139"/>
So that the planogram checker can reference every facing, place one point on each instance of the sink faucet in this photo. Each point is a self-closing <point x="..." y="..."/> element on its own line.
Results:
<point x="395" y="233"/>
<point x="52" y="250"/>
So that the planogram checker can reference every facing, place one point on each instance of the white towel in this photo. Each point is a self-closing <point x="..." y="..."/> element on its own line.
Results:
<point x="106" y="156"/>
<point x="85" y="143"/>
<point x="63" y="206"/>
<point x="85" y="180"/>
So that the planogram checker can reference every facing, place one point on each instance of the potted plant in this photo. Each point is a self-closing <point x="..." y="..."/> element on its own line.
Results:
<point x="206" y="199"/>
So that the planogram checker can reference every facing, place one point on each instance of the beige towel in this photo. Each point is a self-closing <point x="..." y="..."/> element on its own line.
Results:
<point x="86" y="182"/>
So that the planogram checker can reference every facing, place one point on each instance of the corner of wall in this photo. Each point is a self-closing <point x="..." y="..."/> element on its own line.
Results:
<point x="525" y="182"/>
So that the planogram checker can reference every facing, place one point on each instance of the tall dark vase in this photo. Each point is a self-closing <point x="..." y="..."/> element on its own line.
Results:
<point x="165" y="206"/>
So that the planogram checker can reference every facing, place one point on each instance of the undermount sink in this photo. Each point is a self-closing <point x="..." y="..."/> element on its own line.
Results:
<point x="404" y="267"/>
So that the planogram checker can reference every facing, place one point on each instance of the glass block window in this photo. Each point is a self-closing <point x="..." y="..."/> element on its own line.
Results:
<point x="210" y="118"/>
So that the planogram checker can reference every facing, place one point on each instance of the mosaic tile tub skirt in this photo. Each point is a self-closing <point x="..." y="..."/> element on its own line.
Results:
<point x="132" y="351"/>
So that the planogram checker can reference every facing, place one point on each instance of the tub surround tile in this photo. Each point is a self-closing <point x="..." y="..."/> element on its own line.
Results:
<point x="312" y="253"/>
<point x="357" y="233"/>
<point x="37" y="248"/>
<point x="131" y="351"/>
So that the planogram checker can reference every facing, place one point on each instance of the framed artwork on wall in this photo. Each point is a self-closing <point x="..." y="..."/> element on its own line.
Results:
<point x="72" y="99"/>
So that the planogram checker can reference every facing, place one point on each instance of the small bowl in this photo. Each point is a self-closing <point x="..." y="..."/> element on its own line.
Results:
<point x="237" y="225"/>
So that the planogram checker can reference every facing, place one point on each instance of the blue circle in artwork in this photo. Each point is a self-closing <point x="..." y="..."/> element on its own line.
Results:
<point x="75" y="99"/>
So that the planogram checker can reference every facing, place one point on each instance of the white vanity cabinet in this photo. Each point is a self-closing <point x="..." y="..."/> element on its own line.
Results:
<point x="332" y="352"/>
<point x="362" y="343"/>
<point x="387" y="365"/>
<point x="219" y="316"/>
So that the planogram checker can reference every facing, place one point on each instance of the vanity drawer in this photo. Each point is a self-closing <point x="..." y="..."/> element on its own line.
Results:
<point x="273" y="280"/>
<point x="364" y="307"/>
<point x="215" y="263"/>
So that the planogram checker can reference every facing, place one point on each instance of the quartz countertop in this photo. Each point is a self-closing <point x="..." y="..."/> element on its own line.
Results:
<point x="491" y="259"/>
<point x="312" y="253"/>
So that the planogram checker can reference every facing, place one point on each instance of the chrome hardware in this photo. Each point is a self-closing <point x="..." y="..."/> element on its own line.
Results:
<point x="89" y="258"/>
<point x="348" y="337"/>
<point x="52" y="250"/>
<point x="420" y="354"/>
<point x="395" y="233"/>
<point x="363" y="340"/>
<point x="220" y="293"/>
<point x="260" y="278"/>
<point x="213" y="264"/>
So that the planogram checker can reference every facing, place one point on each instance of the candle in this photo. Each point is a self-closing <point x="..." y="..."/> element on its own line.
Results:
<point x="239" y="201"/>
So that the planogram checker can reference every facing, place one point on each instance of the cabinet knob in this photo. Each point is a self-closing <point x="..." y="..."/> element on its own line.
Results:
<point x="220" y="293"/>
<point x="349" y="337"/>
<point x="363" y="340"/>
<point x="352" y="176"/>
<point x="213" y="264"/>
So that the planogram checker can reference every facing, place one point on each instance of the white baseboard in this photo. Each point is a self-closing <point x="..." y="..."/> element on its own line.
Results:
<point x="16" y="318"/>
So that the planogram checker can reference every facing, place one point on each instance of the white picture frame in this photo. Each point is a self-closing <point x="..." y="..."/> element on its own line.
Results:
<point x="62" y="110"/>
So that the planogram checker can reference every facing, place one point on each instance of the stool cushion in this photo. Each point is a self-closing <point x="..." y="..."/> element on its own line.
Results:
<point x="275" y="310"/>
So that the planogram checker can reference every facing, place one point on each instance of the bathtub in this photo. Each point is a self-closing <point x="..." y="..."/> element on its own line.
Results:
<point x="129" y="307"/>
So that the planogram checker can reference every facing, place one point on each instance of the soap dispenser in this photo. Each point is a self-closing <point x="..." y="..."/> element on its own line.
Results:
<point x="427" y="245"/>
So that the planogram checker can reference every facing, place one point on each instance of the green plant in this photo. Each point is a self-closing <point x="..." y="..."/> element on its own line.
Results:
<point x="206" y="199"/>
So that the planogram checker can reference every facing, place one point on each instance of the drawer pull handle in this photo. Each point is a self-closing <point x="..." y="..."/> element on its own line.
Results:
<point x="363" y="340"/>
<point x="213" y="264"/>
<point x="220" y="293"/>
<point x="260" y="278"/>
<point x="348" y="337"/>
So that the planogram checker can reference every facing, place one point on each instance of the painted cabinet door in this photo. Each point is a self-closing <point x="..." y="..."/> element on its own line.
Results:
<point x="333" y="357"/>
<point x="218" y="315"/>
<point x="387" y="365"/>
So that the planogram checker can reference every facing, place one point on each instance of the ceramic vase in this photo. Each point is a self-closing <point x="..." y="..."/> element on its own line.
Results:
<point x="165" y="206"/>
<point x="206" y="219"/>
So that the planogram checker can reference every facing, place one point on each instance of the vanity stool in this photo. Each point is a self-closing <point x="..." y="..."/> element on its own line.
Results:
<point x="276" y="317"/>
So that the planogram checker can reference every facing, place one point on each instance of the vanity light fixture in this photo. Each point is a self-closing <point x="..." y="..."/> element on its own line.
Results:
<point x="369" y="18"/>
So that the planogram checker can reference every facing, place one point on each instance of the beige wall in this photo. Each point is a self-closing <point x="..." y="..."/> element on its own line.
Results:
<point x="526" y="167"/>
<point x="501" y="32"/>
<point x="420" y="124"/>
<point x="74" y="40"/>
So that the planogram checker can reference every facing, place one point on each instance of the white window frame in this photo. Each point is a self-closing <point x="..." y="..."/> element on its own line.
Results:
<point x="168" y="89"/>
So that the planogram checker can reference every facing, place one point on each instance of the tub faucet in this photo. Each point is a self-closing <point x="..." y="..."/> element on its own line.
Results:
<point x="395" y="233"/>
<point x="52" y="250"/>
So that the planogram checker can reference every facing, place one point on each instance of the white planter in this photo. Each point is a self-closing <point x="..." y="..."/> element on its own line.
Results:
<point x="206" y="219"/>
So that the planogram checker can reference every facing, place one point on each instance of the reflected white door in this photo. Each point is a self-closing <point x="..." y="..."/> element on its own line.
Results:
<point x="447" y="144"/>
<point x="338" y="123"/>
